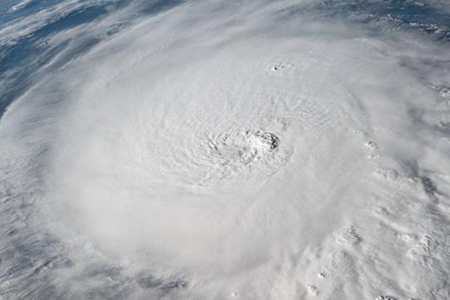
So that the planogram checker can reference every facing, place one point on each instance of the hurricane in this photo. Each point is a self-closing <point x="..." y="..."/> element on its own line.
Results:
<point x="224" y="149"/>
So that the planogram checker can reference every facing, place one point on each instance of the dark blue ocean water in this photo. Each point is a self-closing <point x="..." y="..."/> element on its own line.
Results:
<point x="22" y="60"/>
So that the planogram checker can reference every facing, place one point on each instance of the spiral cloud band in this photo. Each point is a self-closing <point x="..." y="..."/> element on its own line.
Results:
<point x="226" y="150"/>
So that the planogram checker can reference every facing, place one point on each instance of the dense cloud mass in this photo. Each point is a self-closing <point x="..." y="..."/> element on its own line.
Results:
<point x="216" y="149"/>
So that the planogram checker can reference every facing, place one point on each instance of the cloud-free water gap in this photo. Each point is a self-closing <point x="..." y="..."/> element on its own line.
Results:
<point x="396" y="14"/>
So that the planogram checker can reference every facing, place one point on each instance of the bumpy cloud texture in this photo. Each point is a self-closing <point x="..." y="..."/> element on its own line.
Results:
<point x="227" y="150"/>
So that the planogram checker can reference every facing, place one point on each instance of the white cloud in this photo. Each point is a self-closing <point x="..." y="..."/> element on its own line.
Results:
<point x="219" y="150"/>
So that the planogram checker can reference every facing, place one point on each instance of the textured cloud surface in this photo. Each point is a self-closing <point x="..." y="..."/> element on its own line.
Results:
<point x="225" y="150"/>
